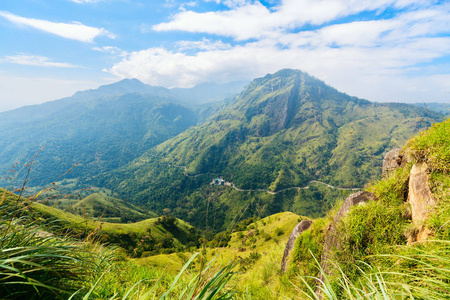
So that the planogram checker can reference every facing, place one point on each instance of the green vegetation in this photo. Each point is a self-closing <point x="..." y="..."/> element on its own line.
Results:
<point x="373" y="260"/>
<point x="308" y="246"/>
<point x="282" y="131"/>
<point x="37" y="264"/>
<point x="147" y="237"/>
<point x="432" y="146"/>
<point x="109" y="209"/>
<point x="259" y="245"/>
<point x="443" y="108"/>
<point x="97" y="133"/>
<point x="48" y="253"/>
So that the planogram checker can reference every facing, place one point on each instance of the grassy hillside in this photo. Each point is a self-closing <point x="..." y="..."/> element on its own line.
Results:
<point x="150" y="236"/>
<point x="373" y="255"/>
<point x="35" y="264"/>
<point x="110" y="209"/>
<point x="257" y="245"/>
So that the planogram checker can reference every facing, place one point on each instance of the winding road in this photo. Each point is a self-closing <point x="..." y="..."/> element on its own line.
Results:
<point x="185" y="173"/>
<point x="295" y="187"/>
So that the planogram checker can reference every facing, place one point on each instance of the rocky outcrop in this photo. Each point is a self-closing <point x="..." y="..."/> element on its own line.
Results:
<point x="302" y="226"/>
<point x="332" y="238"/>
<point x="392" y="160"/>
<point x="421" y="200"/>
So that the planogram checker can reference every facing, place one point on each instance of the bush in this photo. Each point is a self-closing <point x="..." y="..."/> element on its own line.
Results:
<point x="279" y="231"/>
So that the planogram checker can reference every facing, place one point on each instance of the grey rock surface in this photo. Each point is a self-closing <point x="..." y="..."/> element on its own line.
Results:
<point x="302" y="226"/>
<point x="392" y="160"/>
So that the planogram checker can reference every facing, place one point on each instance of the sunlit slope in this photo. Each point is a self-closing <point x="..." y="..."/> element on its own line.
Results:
<point x="284" y="130"/>
<point x="151" y="235"/>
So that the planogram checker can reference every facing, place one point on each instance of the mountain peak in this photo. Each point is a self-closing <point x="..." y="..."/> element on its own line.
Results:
<point x="129" y="81"/>
<point x="124" y="86"/>
<point x="127" y="85"/>
<point x="288" y="72"/>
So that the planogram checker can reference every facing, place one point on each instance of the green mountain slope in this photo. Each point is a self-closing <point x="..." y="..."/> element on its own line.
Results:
<point x="102" y="129"/>
<point x="284" y="130"/>
<point x="392" y="238"/>
<point x="99" y="135"/>
<point x="153" y="235"/>
<point x="109" y="209"/>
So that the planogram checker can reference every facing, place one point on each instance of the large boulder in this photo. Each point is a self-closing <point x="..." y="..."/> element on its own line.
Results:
<point x="302" y="226"/>
<point x="421" y="200"/>
<point x="392" y="160"/>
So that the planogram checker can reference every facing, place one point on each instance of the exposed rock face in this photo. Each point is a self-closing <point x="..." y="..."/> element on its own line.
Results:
<point x="302" y="226"/>
<point x="331" y="240"/>
<point x="392" y="160"/>
<point x="420" y="199"/>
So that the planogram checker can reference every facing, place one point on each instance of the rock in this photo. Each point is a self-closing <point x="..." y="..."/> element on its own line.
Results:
<point x="392" y="160"/>
<point x="418" y="235"/>
<point x="302" y="226"/>
<point x="331" y="242"/>
<point x="420" y="199"/>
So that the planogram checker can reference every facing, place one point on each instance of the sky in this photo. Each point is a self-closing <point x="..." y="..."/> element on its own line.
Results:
<point x="380" y="50"/>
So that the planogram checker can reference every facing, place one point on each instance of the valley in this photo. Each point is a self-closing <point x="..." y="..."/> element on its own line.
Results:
<point x="287" y="150"/>
<point x="224" y="150"/>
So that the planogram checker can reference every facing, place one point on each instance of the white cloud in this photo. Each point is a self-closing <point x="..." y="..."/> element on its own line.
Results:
<point x="231" y="3"/>
<point x="241" y="23"/>
<point x="250" y="19"/>
<point x="372" y="59"/>
<point x="204" y="44"/>
<point x="35" y="60"/>
<point x="111" y="50"/>
<point x="74" y="31"/>
<point x="191" y="4"/>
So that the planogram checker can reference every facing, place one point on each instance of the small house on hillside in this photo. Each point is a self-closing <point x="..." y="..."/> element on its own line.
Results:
<point x="218" y="181"/>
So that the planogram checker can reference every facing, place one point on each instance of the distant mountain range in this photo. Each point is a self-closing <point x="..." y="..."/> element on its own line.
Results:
<point x="160" y="148"/>
<point x="443" y="108"/>
<point x="101" y="129"/>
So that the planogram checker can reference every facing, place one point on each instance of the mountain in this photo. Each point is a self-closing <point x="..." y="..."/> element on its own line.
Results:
<point x="281" y="135"/>
<point x="407" y="222"/>
<point x="97" y="130"/>
<point x="109" y="209"/>
<point x="209" y="92"/>
<point x="381" y="243"/>
<point x="102" y="129"/>
<point x="443" y="108"/>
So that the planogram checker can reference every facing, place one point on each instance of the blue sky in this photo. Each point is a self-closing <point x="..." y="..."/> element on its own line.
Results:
<point x="381" y="50"/>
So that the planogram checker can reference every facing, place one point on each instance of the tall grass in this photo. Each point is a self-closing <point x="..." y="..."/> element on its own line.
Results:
<point x="33" y="263"/>
<point x="36" y="264"/>
<point x="419" y="272"/>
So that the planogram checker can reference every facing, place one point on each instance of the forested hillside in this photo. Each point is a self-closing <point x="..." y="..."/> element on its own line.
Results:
<point x="102" y="129"/>
<point x="283" y="131"/>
